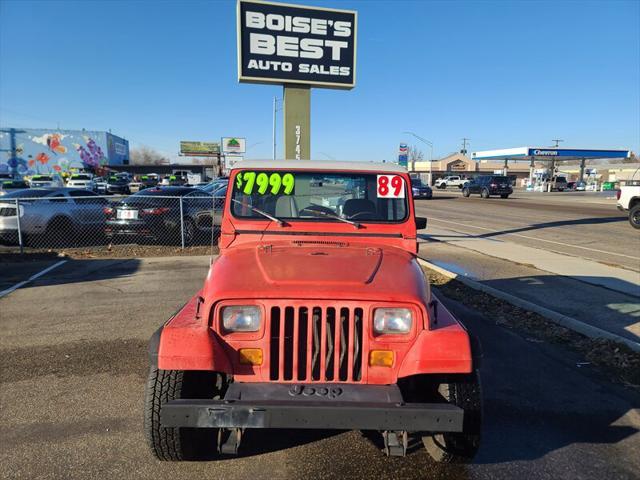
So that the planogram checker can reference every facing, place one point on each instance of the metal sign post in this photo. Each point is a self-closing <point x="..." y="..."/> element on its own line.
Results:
<point x="299" y="47"/>
<point x="297" y="122"/>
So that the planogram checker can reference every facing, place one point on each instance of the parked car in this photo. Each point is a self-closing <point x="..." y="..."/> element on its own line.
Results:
<point x="420" y="190"/>
<point x="8" y="186"/>
<point x="629" y="201"/>
<point x="51" y="217"/>
<point x="118" y="185"/>
<point x="216" y="184"/>
<point x="81" y="180"/>
<point x="156" y="214"/>
<point x="581" y="186"/>
<point x="46" y="181"/>
<point x="451" y="181"/>
<point x="558" y="183"/>
<point x="488" y="185"/>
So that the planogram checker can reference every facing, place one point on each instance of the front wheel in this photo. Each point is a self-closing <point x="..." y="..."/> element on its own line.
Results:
<point x="484" y="193"/>
<point x="459" y="447"/>
<point x="174" y="443"/>
<point x="634" y="216"/>
<point x="466" y="192"/>
<point x="442" y="186"/>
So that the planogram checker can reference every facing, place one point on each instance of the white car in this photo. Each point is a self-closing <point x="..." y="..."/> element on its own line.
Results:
<point x="451" y="181"/>
<point x="81" y="180"/>
<point x="46" y="181"/>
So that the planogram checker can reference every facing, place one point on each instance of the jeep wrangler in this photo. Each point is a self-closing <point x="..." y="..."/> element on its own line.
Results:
<point x="315" y="315"/>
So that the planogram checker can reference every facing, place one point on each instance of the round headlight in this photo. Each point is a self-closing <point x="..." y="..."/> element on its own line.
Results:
<point x="244" y="318"/>
<point x="392" y="320"/>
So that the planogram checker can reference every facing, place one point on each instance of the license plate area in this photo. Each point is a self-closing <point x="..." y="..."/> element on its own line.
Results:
<point x="127" y="214"/>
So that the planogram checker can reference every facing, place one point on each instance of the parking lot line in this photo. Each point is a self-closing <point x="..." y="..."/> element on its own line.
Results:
<point x="31" y="278"/>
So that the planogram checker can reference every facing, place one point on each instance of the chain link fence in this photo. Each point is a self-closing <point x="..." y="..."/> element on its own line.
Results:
<point x="79" y="218"/>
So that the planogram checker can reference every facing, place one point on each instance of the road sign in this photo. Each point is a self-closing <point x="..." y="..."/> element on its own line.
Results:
<point x="234" y="145"/>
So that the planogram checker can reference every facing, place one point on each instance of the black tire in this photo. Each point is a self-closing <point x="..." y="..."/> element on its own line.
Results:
<point x="177" y="444"/>
<point x="462" y="447"/>
<point x="561" y="189"/>
<point x="484" y="193"/>
<point x="504" y="195"/>
<point x="465" y="192"/>
<point x="634" y="216"/>
<point x="189" y="231"/>
<point x="59" y="232"/>
<point x="442" y="186"/>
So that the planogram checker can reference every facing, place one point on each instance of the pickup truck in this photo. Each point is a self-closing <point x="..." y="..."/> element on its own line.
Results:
<point x="629" y="201"/>
<point x="453" y="180"/>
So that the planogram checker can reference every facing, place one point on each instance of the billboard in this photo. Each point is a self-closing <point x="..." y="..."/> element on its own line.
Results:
<point x="283" y="43"/>
<point x="234" y="145"/>
<point x="199" y="148"/>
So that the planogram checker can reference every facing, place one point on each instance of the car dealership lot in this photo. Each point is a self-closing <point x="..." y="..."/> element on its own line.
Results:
<point x="73" y="367"/>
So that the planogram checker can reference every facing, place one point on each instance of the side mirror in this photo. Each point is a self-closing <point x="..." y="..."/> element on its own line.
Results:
<point x="421" y="223"/>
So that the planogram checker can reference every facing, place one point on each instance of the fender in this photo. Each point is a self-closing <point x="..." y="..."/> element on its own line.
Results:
<point x="185" y="342"/>
<point x="445" y="348"/>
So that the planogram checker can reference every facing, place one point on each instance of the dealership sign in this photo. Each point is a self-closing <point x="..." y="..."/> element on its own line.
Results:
<point x="282" y="43"/>
<point x="234" y="145"/>
<point x="199" y="148"/>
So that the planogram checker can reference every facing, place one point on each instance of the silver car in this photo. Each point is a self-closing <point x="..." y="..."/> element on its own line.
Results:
<point x="52" y="217"/>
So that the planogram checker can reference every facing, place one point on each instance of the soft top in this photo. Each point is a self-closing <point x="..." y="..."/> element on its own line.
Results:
<point x="318" y="165"/>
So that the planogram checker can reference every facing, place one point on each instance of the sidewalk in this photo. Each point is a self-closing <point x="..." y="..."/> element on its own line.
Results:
<point x="568" y="285"/>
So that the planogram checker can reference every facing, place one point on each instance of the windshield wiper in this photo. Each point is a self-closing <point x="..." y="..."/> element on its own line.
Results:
<point x="329" y="215"/>
<point x="257" y="210"/>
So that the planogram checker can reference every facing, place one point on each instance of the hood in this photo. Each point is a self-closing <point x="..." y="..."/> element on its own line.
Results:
<point x="322" y="269"/>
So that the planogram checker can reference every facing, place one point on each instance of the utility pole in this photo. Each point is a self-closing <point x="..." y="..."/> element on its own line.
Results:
<point x="430" y="145"/>
<point x="464" y="145"/>
<point x="557" y="140"/>
<point x="275" y="100"/>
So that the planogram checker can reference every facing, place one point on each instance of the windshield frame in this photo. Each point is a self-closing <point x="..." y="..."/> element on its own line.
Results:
<point x="322" y="219"/>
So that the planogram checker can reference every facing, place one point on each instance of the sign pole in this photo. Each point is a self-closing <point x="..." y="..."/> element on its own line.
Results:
<point x="297" y="122"/>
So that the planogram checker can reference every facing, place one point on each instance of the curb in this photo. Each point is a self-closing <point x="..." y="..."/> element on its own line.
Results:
<point x="558" y="318"/>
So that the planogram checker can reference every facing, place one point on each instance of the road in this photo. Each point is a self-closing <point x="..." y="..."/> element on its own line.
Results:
<point x="585" y="225"/>
<point x="73" y="366"/>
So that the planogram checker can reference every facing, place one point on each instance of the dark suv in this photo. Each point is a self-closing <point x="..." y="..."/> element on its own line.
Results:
<point x="487" y="185"/>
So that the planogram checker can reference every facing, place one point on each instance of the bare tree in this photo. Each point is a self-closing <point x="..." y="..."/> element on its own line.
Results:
<point x="144" y="155"/>
<point x="414" y="154"/>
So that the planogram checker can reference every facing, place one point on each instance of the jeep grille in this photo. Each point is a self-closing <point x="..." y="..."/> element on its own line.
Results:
<point x="310" y="343"/>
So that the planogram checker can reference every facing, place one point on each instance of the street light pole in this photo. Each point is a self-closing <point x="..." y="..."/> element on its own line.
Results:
<point x="430" y="144"/>
<point x="274" y="128"/>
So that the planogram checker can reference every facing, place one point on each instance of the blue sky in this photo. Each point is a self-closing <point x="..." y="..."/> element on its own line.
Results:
<point x="502" y="73"/>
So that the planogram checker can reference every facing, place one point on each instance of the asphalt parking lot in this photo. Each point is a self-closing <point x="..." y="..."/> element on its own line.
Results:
<point x="73" y="358"/>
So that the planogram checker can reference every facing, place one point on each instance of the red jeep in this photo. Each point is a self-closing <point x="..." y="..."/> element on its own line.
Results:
<point x="316" y="314"/>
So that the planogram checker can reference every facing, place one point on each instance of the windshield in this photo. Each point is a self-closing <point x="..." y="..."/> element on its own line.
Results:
<point x="317" y="196"/>
<point x="80" y="177"/>
<point x="416" y="182"/>
<point x="42" y="178"/>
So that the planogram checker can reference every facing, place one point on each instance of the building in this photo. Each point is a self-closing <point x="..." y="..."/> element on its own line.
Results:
<point x="31" y="151"/>
<point x="460" y="164"/>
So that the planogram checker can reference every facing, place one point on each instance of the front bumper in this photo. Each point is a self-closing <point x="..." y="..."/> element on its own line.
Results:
<point x="313" y="406"/>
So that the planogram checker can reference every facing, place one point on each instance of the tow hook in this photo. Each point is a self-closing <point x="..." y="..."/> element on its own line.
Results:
<point x="229" y="440"/>
<point x="395" y="443"/>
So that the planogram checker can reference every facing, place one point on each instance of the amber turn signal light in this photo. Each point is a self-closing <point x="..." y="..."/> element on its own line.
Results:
<point x="250" y="356"/>
<point x="380" y="358"/>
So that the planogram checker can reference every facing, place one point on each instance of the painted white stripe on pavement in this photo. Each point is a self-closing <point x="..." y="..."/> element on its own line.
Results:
<point x="533" y="238"/>
<point x="31" y="278"/>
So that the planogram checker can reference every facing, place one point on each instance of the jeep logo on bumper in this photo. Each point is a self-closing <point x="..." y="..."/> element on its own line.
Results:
<point x="320" y="391"/>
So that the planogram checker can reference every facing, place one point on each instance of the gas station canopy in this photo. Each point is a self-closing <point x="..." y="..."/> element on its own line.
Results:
<point x="548" y="153"/>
